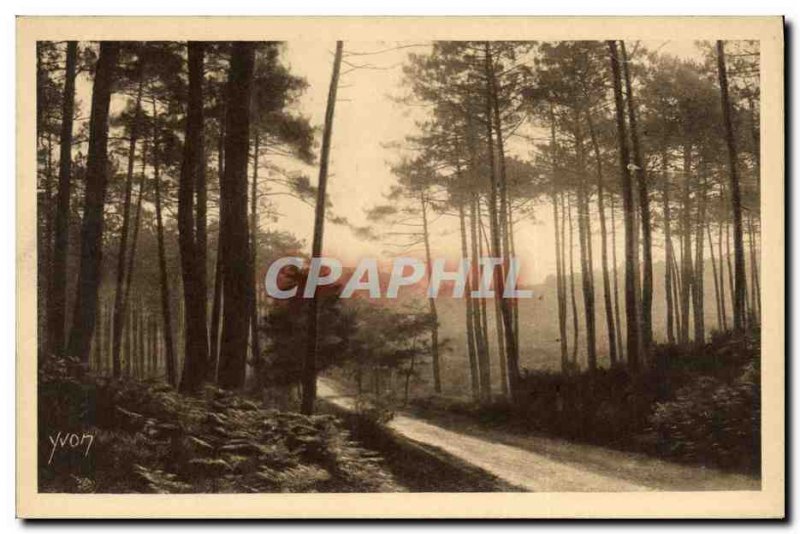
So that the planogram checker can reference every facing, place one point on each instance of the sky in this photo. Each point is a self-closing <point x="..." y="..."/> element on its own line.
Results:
<point x="369" y="123"/>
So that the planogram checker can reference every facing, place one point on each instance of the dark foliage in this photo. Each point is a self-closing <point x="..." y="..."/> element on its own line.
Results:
<point x="148" y="438"/>
<point x="692" y="404"/>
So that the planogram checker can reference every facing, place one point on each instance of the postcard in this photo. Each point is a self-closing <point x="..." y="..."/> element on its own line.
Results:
<point x="410" y="267"/>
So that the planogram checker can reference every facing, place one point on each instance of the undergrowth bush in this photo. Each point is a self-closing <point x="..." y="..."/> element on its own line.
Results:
<point x="149" y="438"/>
<point x="712" y="421"/>
<point x="691" y="403"/>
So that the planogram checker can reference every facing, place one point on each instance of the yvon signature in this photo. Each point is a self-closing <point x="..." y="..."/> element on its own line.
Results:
<point x="70" y="441"/>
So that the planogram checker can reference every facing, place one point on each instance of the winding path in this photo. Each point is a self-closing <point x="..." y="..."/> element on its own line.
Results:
<point x="550" y="465"/>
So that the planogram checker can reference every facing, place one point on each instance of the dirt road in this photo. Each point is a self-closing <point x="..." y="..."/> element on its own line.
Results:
<point x="547" y="465"/>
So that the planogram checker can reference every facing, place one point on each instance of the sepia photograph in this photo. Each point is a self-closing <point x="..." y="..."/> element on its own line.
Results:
<point x="440" y="261"/>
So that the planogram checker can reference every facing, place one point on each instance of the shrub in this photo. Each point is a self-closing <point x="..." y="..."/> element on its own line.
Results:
<point x="711" y="421"/>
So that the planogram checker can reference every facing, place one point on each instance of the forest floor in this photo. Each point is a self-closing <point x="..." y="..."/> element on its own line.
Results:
<point x="546" y="464"/>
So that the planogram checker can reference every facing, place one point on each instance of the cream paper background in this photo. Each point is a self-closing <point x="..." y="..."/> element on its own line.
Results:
<point x="769" y="502"/>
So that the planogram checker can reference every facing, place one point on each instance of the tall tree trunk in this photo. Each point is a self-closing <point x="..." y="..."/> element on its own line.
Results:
<point x="45" y="254"/>
<point x="687" y="277"/>
<point x="728" y="257"/>
<point x="575" y="328"/>
<point x="620" y="349"/>
<point x="136" y="225"/>
<point x="500" y="225"/>
<point x="89" y="272"/>
<point x="195" y="358"/>
<point x="166" y="312"/>
<point x="667" y="243"/>
<point x="698" y="291"/>
<point x="632" y="322"/>
<point x="479" y="308"/>
<point x="126" y="328"/>
<point x="498" y="328"/>
<point x="234" y="237"/>
<point x="739" y="304"/>
<point x="437" y="375"/>
<point x="677" y="291"/>
<point x="560" y="290"/>
<point x="646" y="318"/>
<point x="585" y="246"/>
<point x="472" y="351"/>
<point x="142" y="341"/>
<point x="610" y="327"/>
<point x="716" y="280"/>
<point x="513" y="253"/>
<point x="755" y="289"/>
<point x="109" y="340"/>
<point x="721" y="268"/>
<point x="216" y="307"/>
<point x="57" y="295"/>
<point x="253" y="297"/>
<point x="498" y="187"/>
<point x="310" y="363"/>
<point x="119" y="289"/>
<point x="480" y="321"/>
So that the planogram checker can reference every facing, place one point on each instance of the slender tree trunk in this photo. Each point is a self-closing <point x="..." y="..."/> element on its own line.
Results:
<point x="620" y="349"/>
<point x="126" y="328"/>
<point x="646" y="318"/>
<point x="716" y="280"/>
<point x="698" y="291"/>
<point x="722" y="279"/>
<point x="513" y="253"/>
<point x="310" y="362"/>
<point x="57" y="296"/>
<point x="575" y="328"/>
<point x="254" y="340"/>
<point x="119" y="289"/>
<point x="480" y="321"/>
<point x="471" y="338"/>
<point x="136" y="225"/>
<point x="498" y="328"/>
<point x="109" y="336"/>
<point x="739" y="304"/>
<point x="687" y="285"/>
<point x="166" y="312"/>
<point x="437" y="377"/>
<point x="585" y="247"/>
<point x="45" y="254"/>
<point x="632" y="322"/>
<point x="142" y="341"/>
<point x="728" y="257"/>
<point x="195" y="359"/>
<point x="479" y="308"/>
<point x="560" y="290"/>
<point x="667" y="245"/>
<point x="610" y="327"/>
<point x="498" y="187"/>
<point x="216" y="307"/>
<point x="755" y="289"/>
<point x="89" y="272"/>
<point x="677" y="291"/>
